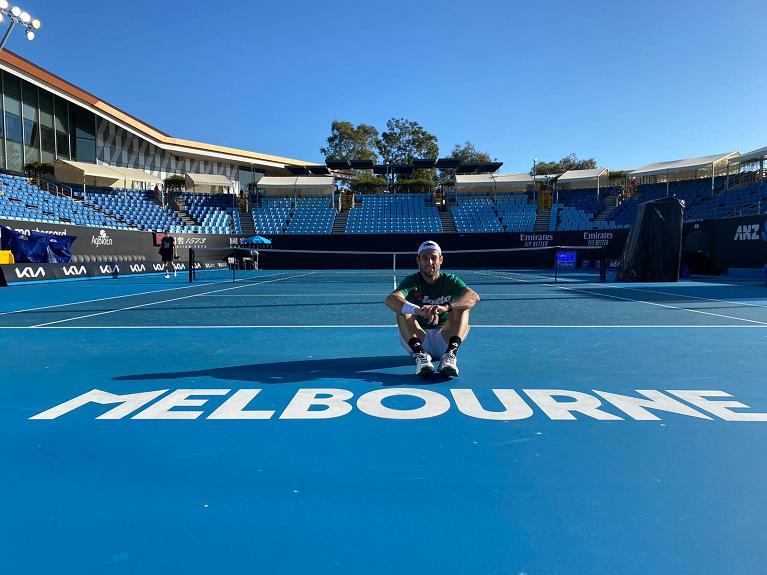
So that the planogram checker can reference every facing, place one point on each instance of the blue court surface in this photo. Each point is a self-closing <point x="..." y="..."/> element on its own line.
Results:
<point x="275" y="426"/>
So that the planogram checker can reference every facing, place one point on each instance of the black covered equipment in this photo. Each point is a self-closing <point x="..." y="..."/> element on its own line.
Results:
<point x="653" y="250"/>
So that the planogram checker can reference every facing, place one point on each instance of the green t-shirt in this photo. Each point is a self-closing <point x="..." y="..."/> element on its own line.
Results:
<point x="417" y="291"/>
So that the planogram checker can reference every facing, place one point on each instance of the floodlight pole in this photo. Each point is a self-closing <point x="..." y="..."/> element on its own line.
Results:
<point x="7" y="34"/>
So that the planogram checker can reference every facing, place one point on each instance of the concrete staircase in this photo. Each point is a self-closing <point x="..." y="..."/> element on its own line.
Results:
<point x="609" y="203"/>
<point x="542" y="220"/>
<point x="339" y="224"/>
<point x="247" y="226"/>
<point x="447" y="221"/>
<point x="185" y="216"/>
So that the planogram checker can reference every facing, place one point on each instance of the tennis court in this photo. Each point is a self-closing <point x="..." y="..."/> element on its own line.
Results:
<point x="418" y="476"/>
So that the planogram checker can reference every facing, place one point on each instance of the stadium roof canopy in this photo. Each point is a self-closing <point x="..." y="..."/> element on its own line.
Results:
<point x="751" y="156"/>
<point x="78" y="172"/>
<point x="492" y="183"/>
<point x="41" y="77"/>
<point x="297" y="184"/>
<point x="582" y="176"/>
<point x="681" y="166"/>
<point x="207" y="181"/>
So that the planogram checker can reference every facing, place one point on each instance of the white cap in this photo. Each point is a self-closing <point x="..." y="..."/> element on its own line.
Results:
<point x="429" y="245"/>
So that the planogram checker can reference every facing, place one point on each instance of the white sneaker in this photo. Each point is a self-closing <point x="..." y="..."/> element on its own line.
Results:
<point x="167" y="276"/>
<point x="423" y="365"/>
<point x="448" y="365"/>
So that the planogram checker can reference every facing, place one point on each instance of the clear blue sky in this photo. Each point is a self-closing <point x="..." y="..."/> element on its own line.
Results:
<point x="625" y="82"/>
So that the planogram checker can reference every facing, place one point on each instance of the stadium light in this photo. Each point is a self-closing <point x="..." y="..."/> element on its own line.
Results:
<point x="16" y="15"/>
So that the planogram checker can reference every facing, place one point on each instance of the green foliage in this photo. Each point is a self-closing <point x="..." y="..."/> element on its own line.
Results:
<point x="570" y="162"/>
<point x="367" y="183"/>
<point x="405" y="140"/>
<point x="469" y="154"/>
<point x="418" y="184"/>
<point x="350" y="142"/>
<point x="174" y="183"/>
<point x="38" y="170"/>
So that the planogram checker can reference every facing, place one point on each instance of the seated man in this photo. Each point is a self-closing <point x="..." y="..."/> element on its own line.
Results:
<point x="432" y="310"/>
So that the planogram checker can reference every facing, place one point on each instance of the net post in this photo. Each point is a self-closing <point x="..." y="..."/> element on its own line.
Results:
<point x="556" y="264"/>
<point x="394" y="268"/>
<point x="603" y="267"/>
<point x="190" y="263"/>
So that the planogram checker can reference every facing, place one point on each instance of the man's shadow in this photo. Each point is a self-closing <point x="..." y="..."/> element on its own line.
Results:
<point x="365" y="369"/>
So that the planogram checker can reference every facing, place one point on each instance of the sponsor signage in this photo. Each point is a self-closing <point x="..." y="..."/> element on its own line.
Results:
<point x="19" y="273"/>
<point x="102" y="239"/>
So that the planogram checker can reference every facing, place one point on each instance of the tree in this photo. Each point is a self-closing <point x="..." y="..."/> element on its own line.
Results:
<point x="350" y="142"/>
<point x="405" y="140"/>
<point x="469" y="154"/>
<point x="37" y="171"/>
<point x="570" y="162"/>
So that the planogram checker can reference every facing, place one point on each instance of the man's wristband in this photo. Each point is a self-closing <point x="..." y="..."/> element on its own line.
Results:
<point x="409" y="308"/>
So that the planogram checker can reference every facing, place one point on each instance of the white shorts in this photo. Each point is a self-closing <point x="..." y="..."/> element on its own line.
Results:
<point x="434" y="344"/>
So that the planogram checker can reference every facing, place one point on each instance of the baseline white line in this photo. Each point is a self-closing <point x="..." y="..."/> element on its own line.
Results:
<point x="741" y="303"/>
<point x="381" y="293"/>
<point x="117" y="296"/>
<point x="385" y="326"/>
<point x="165" y="301"/>
<point x="649" y="303"/>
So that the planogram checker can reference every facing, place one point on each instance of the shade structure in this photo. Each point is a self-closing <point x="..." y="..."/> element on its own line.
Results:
<point x="681" y="166"/>
<point x="297" y="185"/>
<point x="209" y="183"/>
<point x="582" y="179"/>
<point x="490" y="184"/>
<point x="83" y="173"/>
<point x="752" y="156"/>
<point x="582" y="176"/>
<point x="134" y="175"/>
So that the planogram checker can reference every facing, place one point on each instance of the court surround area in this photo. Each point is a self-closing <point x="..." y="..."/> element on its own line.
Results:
<point x="332" y="457"/>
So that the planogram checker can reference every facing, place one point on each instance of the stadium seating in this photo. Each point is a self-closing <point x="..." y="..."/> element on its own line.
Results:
<point x="20" y="200"/>
<point x="502" y="212"/>
<point x="134" y="209"/>
<point x="390" y="213"/>
<point x="213" y="211"/>
<point x="312" y="215"/>
<point x="476" y="214"/>
<point x="379" y="213"/>
<point x="516" y="212"/>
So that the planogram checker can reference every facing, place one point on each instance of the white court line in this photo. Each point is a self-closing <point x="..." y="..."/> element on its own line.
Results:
<point x="623" y="287"/>
<point x="382" y="293"/>
<point x="668" y="306"/>
<point x="249" y="284"/>
<point x="392" y="326"/>
<point x="117" y="296"/>
<point x="741" y="303"/>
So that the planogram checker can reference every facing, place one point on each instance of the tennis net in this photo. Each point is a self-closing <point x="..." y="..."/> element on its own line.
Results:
<point x="524" y="265"/>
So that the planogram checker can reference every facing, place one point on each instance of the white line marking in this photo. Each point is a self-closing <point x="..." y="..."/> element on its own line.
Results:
<point x="649" y="302"/>
<point x="115" y="297"/>
<point x="164" y="301"/>
<point x="743" y="303"/>
<point x="384" y="326"/>
<point x="381" y="293"/>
